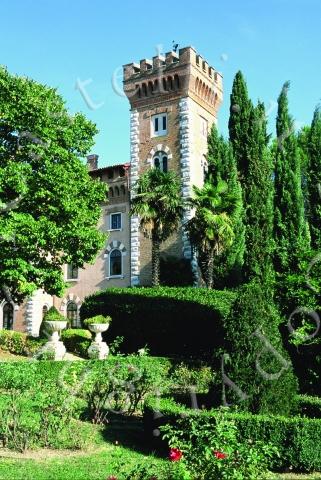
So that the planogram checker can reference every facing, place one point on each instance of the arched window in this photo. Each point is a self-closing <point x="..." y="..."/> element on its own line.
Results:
<point x="170" y="83"/>
<point x="164" y="84"/>
<point x="116" y="192"/>
<point x="160" y="161"/>
<point x="123" y="189"/>
<point x="8" y="316"/>
<point x="144" y="89"/>
<point x="150" y="88"/>
<point x="115" y="263"/>
<point x="72" y="314"/>
<point x="110" y="192"/>
<point x="44" y="311"/>
<point x="176" y="82"/>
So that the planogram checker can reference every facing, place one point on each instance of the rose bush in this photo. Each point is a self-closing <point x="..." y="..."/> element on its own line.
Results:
<point x="213" y="452"/>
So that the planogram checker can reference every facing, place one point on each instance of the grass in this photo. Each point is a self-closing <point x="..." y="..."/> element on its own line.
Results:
<point x="117" y="448"/>
<point x="114" y="451"/>
<point x="7" y="356"/>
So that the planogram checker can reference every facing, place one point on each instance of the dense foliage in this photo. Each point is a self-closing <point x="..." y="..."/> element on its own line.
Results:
<point x="222" y="166"/>
<point x="170" y="321"/>
<point x="291" y="230"/>
<point x="258" y="191"/>
<point x="211" y="228"/>
<point x="254" y="359"/>
<point x="43" y="185"/>
<point x="296" y="438"/>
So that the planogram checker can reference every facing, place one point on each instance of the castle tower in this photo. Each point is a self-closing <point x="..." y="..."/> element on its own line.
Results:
<point x="174" y="101"/>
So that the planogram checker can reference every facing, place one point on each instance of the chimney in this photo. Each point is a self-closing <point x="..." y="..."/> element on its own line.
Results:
<point x="92" y="162"/>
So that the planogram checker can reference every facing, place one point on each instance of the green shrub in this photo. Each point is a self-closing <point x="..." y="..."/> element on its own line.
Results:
<point x="255" y="359"/>
<point x="13" y="342"/>
<point x="296" y="439"/>
<point x="76" y="341"/>
<point x="121" y="384"/>
<point x="170" y="321"/>
<point x="37" y="417"/>
<point x="51" y="316"/>
<point x="54" y="316"/>
<point x="189" y="376"/>
<point x="97" y="319"/>
<point x="211" y="449"/>
<point x="308" y="406"/>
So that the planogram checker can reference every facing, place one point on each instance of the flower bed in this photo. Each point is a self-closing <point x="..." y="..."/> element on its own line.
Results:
<point x="297" y="439"/>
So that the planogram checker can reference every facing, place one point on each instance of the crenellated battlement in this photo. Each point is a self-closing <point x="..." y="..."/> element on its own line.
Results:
<point x="171" y="60"/>
<point x="173" y="74"/>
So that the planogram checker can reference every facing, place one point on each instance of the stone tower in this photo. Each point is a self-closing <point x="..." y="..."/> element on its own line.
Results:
<point x="174" y="101"/>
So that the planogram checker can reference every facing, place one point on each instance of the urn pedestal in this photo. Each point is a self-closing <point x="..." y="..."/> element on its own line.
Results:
<point x="98" y="350"/>
<point x="55" y="344"/>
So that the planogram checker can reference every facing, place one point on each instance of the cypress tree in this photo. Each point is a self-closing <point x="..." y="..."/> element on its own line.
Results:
<point x="258" y="194"/>
<point x="255" y="360"/>
<point x="291" y="231"/>
<point x="222" y="166"/>
<point x="239" y="121"/>
<point x="314" y="179"/>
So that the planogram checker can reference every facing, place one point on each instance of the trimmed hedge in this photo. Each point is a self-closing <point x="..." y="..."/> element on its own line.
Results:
<point x="296" y="438"/>
<point x="171" y="321"/>
<point x="77" y="341"/>
<point x="309" y="406"/>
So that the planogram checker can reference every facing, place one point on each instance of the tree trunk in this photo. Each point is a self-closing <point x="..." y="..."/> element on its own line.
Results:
<point x="210" y="270"/>
<point x="155" y="261"/>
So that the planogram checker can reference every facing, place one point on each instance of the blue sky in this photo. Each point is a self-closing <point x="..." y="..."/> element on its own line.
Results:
<point x="58" y="42"/>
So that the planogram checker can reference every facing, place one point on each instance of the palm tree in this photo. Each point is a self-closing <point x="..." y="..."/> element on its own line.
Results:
<point x="211" y="229"/>
<point x="158" y="204"/>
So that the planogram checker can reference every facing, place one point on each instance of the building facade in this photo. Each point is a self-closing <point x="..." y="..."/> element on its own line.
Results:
<point x="174" y="100"/>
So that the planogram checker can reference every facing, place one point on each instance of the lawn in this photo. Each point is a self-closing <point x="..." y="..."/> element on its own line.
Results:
<point x="115" y="450"/>
<point x="120" y="443"/>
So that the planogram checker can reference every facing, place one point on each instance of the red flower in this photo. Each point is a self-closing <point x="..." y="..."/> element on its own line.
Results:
<point x="175" y="454"/>
<point x="219" y="455"/>
<point x="111" y="477"/>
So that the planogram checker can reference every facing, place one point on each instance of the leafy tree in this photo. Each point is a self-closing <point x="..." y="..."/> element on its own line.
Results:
<point x="222" y="166"/>
<point x="211" y="228"/>
<point x="291" y="231"/>
<point x="239" y="123"/>
<point x="258" y="194"/>
<point x="49" y="205"/>
<point x="158" y="203"/>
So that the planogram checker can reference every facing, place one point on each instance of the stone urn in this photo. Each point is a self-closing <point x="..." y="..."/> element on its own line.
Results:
<point x="98" y="349"/>
<point x="54" y="343"/>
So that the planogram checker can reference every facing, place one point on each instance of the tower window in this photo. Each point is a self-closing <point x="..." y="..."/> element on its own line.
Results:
<point x="115" y="221"/>
<point x="115" y="263"/>
<point x="159" y="125"/>
<point x="160" y="161"/>
<point x="72" y="314"/>
<point x="72" y="272"/>
<point x="8" y="316"/>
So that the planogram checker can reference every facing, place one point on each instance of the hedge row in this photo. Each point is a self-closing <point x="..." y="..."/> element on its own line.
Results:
<point x="170" y="321"/>
<point x="296" y="438"/>
<point x="309" y="406"/>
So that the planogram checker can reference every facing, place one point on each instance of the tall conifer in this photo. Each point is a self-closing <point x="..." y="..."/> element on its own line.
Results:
<point x="291" y="232"/>
<point x="314" y="179"/>
<point x="258" y="195"/>
<point x="222" y="166"/>
<point x="240" y="113"/>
